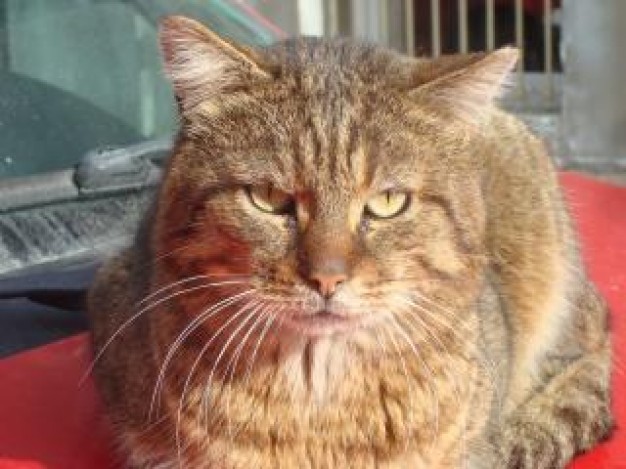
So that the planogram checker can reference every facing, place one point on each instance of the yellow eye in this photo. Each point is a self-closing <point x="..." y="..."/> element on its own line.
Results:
<point x="269" y="199"/>
<point x="387" y="204"/>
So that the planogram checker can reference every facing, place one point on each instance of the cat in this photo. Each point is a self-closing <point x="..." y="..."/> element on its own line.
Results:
<point x="355" y="260"/>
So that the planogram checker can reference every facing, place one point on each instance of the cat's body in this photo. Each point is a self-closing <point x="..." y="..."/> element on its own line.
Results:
<point x="463" y="331"/>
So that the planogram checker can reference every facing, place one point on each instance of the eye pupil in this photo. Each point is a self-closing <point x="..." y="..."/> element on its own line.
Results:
<point x="269" y="200"/>
<point x="387" y="204"/>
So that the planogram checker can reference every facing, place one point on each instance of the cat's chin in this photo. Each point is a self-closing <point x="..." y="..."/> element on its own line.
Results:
<point x="322" y="323"/>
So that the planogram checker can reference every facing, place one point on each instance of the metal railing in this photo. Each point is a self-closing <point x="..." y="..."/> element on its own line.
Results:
<point x="574" y="105"/>
<point x="436" y="27"/>
<point x="547" y="77"/>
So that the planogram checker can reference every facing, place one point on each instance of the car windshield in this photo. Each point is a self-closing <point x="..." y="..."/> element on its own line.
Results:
<point x="82" y="74"/>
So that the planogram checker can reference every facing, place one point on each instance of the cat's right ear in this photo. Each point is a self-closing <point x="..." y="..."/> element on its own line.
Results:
<point x="466" y="86"/>
<point x="203" y="66"/>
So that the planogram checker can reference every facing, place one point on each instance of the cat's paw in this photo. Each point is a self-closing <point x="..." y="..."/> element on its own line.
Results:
<point x="531" y="445"/>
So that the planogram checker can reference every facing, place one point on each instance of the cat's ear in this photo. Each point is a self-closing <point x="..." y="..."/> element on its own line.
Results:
<point x="468" y="86"/>
<point x="201" y="65"/>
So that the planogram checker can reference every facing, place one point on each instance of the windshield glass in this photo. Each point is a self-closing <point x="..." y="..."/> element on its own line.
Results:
<point x="81" y="74"/>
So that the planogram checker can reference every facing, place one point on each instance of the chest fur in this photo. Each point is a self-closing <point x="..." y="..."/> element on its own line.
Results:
<point x="333" y="405"/>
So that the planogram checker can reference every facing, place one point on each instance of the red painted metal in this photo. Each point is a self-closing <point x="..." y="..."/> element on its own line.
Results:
<point x="47" y="421"/>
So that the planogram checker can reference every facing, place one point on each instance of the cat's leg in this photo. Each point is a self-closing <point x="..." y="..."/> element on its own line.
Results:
<point x="570" y="415"/>
<point x="569" y="410"/>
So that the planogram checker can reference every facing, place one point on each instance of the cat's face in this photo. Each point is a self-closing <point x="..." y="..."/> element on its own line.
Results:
<point x="327" y="182"/>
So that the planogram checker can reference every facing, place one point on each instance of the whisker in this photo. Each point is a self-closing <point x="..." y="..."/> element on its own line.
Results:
<point x="431" y="376"/>
<point x="207" y="386"/>
<point x="380" y="343"/>
<point x="490" y="370"/>
<point x="262" y="315"/>
<point x="486" y="363"/>
<point x="182" y="282"/>
<point x="161" y="256"/>
<point x="434" y="336"/>
<point x="455" y="328"/>
<point x="251" y="360"/>
<point x="445" y="310"/>
<point x="195" y="365"/>
<point x="192" y="326"/>
<point x="235" y="359"/>
<point x="269" y="322"/>
<point x="455" y="382"/>
<point x="409" y="382"/>
<point x="142" y="311"/>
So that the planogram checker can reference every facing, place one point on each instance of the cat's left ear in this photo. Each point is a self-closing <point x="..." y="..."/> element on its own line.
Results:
<point x="203" y="66"/>
<point x="468" y="88"/>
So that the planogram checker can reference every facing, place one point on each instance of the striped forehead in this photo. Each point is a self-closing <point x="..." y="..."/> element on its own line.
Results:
<point x="329" y="149"/>
<point x="335" y="154"/>
<point x="317" y="129"/>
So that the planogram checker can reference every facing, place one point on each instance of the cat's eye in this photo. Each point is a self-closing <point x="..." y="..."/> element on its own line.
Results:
<point x="269" y="199"/>
<point x="387" y="204"/>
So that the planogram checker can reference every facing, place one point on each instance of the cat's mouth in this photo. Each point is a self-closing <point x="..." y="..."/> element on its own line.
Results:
<point x="322" y="323"/>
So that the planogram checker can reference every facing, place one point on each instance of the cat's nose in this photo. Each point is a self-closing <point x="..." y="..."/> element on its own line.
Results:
<point x="328" y="278"/>
<point x="327" y="284"/>
<point x="326" y="258"/>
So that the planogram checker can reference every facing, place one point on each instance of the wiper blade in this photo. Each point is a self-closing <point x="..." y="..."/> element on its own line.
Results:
<point x="101" y="171"/>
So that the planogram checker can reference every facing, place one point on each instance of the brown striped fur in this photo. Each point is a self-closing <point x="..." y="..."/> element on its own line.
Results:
<point x="480" y="344"/>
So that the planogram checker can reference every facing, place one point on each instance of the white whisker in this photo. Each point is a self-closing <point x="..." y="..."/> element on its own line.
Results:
<point x="452" y="379"/>
<point x="409" y="382"/>
<point x="271" y="318"/>
<point x="191" y="372"/>
<point x="445" y="310"/>
<point x="431" y="376"/>
<point x="486" y="363"/>
<point x="142" y="311"/>
<point x="183" y="281"/>
<point x="203" y="316"/>
<point x="430" y="333"/>
<point x="209" y="380"/>
<point x="236" y="356"/>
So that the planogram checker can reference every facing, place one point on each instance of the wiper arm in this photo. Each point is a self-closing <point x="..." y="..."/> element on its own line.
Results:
<point x="119" y="168"/>
<point x="101" y="171"/>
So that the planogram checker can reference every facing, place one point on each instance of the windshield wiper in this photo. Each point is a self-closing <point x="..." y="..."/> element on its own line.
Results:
<point x="121" y="168"/>
<point x="101" y="171"/>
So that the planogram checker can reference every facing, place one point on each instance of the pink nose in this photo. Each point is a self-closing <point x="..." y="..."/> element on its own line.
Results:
<point x="328" y="283"/>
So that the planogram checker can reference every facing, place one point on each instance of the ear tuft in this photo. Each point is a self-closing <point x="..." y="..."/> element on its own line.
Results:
<point x="470" y="91"/>
<point x="201" y="65"/>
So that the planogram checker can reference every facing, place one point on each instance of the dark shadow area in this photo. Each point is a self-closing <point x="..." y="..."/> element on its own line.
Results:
<point x="25" y="324"/>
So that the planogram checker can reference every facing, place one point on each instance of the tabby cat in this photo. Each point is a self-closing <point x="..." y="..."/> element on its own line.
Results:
<point x="355" y="260"/>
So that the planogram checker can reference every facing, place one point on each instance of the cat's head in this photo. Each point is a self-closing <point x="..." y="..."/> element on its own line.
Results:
<point x="332" y="185"/>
